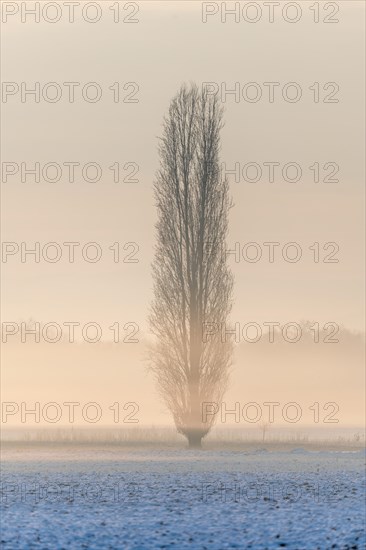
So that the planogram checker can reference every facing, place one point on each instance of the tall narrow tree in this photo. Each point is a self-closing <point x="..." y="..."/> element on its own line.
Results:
<point x="192" y="282"/>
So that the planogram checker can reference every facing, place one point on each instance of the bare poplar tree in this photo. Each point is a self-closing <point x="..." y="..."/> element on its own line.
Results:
<point x="192" y="283"/>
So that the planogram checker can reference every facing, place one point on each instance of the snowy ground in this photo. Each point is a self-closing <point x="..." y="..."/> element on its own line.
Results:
<point x="110" y="498"/>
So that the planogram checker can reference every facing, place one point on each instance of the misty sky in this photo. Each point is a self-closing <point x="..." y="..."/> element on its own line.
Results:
<point x="168" y="46"/>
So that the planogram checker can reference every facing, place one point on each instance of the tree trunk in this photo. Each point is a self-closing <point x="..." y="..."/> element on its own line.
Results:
<point x="194" y="440"/>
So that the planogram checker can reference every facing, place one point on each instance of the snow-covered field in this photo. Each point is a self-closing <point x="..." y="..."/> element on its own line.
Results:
<point x="68" y="497"/>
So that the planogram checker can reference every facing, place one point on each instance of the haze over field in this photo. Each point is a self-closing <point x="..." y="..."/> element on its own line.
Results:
<point x="109" y="372"/>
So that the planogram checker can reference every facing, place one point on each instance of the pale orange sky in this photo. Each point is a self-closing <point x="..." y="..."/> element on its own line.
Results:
<point x="171" y="45"/>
